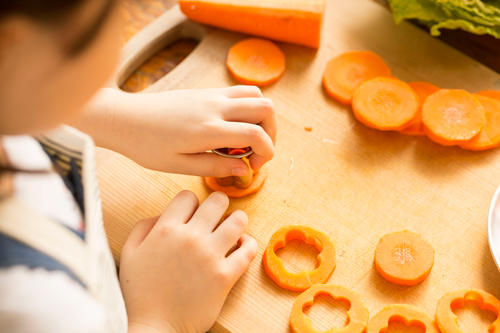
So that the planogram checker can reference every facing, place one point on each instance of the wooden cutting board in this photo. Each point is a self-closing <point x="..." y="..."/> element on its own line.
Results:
<point x="351" y="182"/>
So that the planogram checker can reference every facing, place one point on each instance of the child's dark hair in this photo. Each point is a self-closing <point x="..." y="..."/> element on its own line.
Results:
<point x="54" y="12"/>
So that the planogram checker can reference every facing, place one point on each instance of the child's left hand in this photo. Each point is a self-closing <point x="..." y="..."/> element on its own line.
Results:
<point x="172" y="131"/>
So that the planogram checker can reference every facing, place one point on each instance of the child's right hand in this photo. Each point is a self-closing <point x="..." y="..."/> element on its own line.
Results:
<point x="174" y="272"/>
<point x="171" y="131"/>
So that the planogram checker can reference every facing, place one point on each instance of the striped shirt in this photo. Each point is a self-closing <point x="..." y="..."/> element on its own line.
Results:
<point x="56" y="270"/>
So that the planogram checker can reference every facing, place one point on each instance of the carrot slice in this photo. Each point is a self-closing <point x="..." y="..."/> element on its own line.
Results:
<point x="385" y="103"/>
<point x="404" y="258"/>
<point x="344" y="73"/>
<point x="237" y="151"/>
<point x="232" y="191"/>
<point x="452" y="116"/>
<point x="447" y="320"/>
<point x="495" y="94"/>
<point x="256" y="61"/>
<point x="423" y="90"/>
<point x="273" y="265"/>
<point x="357" y="315"/>
<point x="489" y="137"/>
<point x="408" y="315"/>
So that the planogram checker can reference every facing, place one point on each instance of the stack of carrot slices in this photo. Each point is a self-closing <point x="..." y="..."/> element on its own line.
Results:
<point x="450" y="117"/>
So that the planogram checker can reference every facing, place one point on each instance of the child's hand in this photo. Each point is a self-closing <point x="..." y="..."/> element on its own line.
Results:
<point x="174" y="272"/>
<point x="171" y="131"/>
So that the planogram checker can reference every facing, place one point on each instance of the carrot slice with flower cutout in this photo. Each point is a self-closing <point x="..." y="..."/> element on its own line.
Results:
<point x="299" y="281"/>
<point x="405" y="314"/>
<point x="357" y="315"/>
<point x="448" y="321"/>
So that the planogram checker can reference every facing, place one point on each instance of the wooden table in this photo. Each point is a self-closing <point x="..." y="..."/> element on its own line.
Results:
<point x="351" y="182"/>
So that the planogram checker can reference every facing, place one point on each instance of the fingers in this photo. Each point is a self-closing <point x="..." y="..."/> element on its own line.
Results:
<point x="229" y="232"/>
<point x="180" y="209"/>
<point x="239" y="260"/>
<point x="242" y="91"/>
<point x="209" y="164"/>
<point x="139" y="232"/>
<point x="261" y="143"/>
<point x="210" y="212"/>
<point x="239" y="135"/>
<point x="255" y="111"/>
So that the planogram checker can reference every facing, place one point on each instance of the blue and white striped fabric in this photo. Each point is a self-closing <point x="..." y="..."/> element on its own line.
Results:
<point x="56" y="271"/>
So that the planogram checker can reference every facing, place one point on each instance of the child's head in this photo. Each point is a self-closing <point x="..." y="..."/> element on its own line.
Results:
<point x="54" y="55"/>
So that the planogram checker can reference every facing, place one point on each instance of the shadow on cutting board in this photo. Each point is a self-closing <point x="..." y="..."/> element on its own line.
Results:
<point x="392" y="293"/>
<point x="437" y="161"/>
<point x="490" y="273"/>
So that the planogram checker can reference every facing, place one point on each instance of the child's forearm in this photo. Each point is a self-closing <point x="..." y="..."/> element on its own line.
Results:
<point x="101" y="119"/>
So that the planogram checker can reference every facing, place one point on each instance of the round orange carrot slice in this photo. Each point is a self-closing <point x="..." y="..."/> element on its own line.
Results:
<point x="489" y="137"/>
<point x="357" y="315"/>
<point x="273" y="265"/>
<point x="448" y="321"/>
<point x="404" y="258"/>
<point x="256" y="61"/>
<point x="423" y="90"/>
<point x="452" y="116"/>
<point x="385" y="103"/>
<point x="232" y="191"/>
<point x="495" y="94"/>
<point x="408" y="315"/>
<point x="344" y="73"/>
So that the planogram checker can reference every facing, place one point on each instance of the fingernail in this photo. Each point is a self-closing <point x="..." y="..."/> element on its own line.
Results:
<point x="239" y="171"/>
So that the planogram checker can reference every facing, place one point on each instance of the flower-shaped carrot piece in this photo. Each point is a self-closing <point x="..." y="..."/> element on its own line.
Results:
<point x="299" y="281"/>
<point x="357" y="315"/>
<point x="408" y="315"/>
<point x="447" y="320"/>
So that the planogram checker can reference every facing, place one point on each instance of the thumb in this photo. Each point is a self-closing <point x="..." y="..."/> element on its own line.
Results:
<point x="139" y="232"/>
<point x="212" y="165"/>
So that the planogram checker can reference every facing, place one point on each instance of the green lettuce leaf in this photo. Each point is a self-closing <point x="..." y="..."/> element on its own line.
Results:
<point x="474" y="16"/>
<point x="464" y="25"/>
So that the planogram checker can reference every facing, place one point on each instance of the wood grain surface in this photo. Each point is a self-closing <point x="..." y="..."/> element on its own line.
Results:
<point x="136" y="15"/>
<point x="351" y="182"/>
